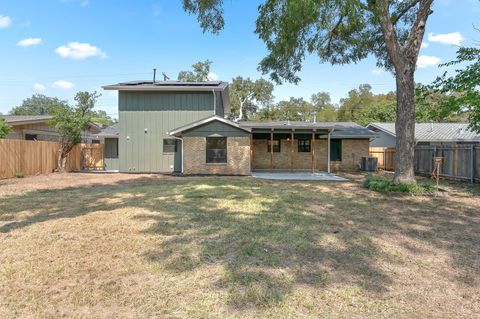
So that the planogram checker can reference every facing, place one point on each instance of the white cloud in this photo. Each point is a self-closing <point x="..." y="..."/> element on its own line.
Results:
<point x="424" y="45"/>
<point x="377" y="71"/>
<point x="454" y="38"/>
<point x="80" y="51"/>
<point x="213" y="76"/>
<point x="62" y="84"/>
<point x="427" y="60"/>
<point x="29" y="42"/>
<point x="39" y="87"/>
<point x="5" y="21"/>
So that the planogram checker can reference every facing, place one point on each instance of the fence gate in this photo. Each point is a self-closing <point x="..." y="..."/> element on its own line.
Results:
<point x="92" y="157"/>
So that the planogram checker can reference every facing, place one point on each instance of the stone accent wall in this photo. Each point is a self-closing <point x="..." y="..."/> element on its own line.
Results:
<point x="352" y="152"/>
<point x="238" y="157"/>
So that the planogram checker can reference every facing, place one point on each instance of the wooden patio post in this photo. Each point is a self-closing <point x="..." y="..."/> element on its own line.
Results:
<point x="292" y="150"/>
<point x="271" y="150"/>
<point x="313" y="151"/>
<point x="328" y="153"/>
<point x="251" y="152"/>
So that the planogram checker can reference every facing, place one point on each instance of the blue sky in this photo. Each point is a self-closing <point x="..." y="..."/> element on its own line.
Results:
<point x="58" y="47"/>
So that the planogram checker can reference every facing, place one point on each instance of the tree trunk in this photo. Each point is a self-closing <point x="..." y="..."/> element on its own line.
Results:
<point x="405" y="125"/>
<point x="62" y="158"/>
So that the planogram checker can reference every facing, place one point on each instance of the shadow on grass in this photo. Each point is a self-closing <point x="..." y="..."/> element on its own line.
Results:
<point x="269" y="236"/>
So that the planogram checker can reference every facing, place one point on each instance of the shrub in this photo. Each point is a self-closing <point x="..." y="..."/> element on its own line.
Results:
<point x="19" y="175"/>
<point x="384" y="184"/>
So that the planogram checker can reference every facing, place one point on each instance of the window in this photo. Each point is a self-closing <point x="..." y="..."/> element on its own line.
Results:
<point x="304" y="146"/>
<point x="169" y="145"/>
<point x="216" y="149"/>
<point x="276" y="146"/>
<point x="95" y="141"/>
<point x="31" y="137"/>
<point x="335" y="150"/>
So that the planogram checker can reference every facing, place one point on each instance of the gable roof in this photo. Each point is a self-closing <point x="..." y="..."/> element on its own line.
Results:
<point x="178" y="131"/>
<point x="25" y="119"/>
<point x="110" y="131"/>
<point x="434" y="132"/>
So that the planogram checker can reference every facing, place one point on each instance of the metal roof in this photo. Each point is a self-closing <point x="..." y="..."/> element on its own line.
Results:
<point x="25" y="119"/>
<point x="434" y="132"/>
<point x="340" y="129"/>
<point x="168" y="86"/>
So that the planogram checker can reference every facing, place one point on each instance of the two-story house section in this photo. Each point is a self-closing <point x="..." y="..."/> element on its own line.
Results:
<point x="149" y="110"/>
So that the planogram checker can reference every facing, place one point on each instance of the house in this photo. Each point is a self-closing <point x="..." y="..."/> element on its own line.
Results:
<point x="173" y="126"/>
<point x="38" y="128"/>
<point x="428" y="134"/>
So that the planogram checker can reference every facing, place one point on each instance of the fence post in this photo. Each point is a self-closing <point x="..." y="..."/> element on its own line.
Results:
<point x="472" y="163"/>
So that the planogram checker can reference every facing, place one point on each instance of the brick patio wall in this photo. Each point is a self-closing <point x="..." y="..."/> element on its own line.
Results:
<point x="238" y="157"/>
<point x="352" y="152"/>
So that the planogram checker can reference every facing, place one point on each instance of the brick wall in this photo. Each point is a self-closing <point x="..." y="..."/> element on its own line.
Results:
<point x="352" y="152"/>
<point x="238" y="157"/>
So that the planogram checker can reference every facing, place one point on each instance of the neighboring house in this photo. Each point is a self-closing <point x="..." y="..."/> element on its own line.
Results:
<point x="109" y="137"/>
<point x="37" y="128"/>
<point x="432" y="134"/>
<point x="173" y="126"/>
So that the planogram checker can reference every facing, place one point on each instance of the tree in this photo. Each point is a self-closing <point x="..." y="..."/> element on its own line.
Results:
<point x="247" y="96"/>
<point x="70" y="122"/>
<point x="101" y="117"/>
<point x="201" y="71"/>
<point x="38" y="104"/>
<point x="4" y="128"/>
<point x="380" y="109"/>
<point x="322" y="107"/>
<point x="432" y="105"/>
<point x="340" y="32"/>
<point x="351" y="106"/>
<point x="462" y="88"/>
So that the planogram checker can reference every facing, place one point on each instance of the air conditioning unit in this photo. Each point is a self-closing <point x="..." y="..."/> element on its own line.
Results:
<point x="369" y="164"/>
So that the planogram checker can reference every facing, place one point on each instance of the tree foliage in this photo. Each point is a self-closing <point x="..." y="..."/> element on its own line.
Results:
<point x="461" y="89"/>
<point x="247" y="96"/>
<point x="4" y="128"/>
<point x="200" y="72"/>
<point x="38" y="104"/>
<point x="71" y="121"/>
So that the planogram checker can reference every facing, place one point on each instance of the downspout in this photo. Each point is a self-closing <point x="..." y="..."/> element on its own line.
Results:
<point x="328" y="151"/>
<point x="214" y="102"/>
<point x="181" y="139"/>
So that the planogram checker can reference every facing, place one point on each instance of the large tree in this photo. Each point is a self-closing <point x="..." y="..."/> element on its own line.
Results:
<point x="201" y="72"/>
<point x="339" y="32"/>
<point x="247" y="96"/>
<point x="351" y="106"/>
<point x="323" y="107"/>
<point x="70" y="122"/>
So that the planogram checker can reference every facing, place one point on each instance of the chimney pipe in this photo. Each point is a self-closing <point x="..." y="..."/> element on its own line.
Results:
<point x="154" y="75"/>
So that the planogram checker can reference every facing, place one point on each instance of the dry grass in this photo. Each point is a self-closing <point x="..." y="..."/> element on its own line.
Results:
<point x="129" y="246"/>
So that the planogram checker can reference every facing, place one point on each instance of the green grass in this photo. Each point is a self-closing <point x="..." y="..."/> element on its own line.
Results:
<point x="386" y="184"/>
<point x="227" y="247"/>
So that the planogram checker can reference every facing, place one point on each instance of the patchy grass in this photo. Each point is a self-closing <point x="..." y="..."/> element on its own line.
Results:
<point x="386" y="184"/>
<point x="128" y="246"/>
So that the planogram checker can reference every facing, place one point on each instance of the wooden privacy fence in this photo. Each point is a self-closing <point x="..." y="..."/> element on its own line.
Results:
<point x="458" y="162"/>
<point x="39" y="157"/>
<point x="384" y="156"/>
<point x="92" y="156"/>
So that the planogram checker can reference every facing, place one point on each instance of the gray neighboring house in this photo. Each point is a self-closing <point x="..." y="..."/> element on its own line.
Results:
<point x="428" y="134"/>
<point x="109" y="137"/>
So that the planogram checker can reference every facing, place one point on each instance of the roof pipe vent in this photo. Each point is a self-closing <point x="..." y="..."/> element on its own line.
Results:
<point x="154" y="75"/>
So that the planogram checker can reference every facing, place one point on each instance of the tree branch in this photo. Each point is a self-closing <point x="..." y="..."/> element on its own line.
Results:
<point x="404" y="11"/>
<point x="418" y="29"/>
<point x="333" y="33"/>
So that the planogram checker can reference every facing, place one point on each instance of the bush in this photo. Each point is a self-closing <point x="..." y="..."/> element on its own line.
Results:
<point x="19" y="175"/>
<point x="384" y="184"/>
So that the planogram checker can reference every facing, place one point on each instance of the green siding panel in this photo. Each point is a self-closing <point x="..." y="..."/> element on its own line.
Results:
<point x="143" y="152"/>
<point x="216" y="127"/>
<point x="169" y="101"/>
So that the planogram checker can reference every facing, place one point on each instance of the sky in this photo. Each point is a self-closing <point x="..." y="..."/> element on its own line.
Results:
<point x="60" y="47"/>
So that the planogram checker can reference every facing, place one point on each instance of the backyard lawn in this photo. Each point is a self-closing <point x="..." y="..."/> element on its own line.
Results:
<point x="133" y="246"/>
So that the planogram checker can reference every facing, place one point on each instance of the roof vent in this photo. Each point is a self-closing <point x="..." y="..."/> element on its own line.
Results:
<point x="154" y="75"/>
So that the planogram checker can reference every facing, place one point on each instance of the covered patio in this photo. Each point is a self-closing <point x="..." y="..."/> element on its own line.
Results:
<point x="291" y="146"/>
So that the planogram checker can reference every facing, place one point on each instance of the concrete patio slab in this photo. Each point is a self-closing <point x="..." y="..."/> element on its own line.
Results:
<point x="299" y="176"/>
